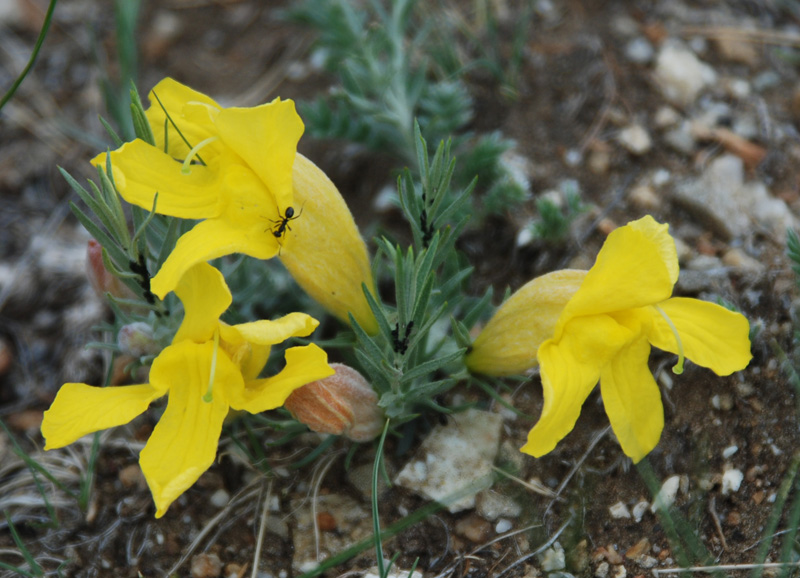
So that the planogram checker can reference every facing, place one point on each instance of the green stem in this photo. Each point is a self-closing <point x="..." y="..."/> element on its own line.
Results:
<point x="48" y="17"/>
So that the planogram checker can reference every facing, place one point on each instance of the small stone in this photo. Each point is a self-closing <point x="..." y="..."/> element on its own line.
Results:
<point x="731" y="481"/>
<point x="666" y="117"/>
<point x="644" y="197"/>
<point x="619" y="510"/>
<point x="639" y="50"/>
<point x="744" y="388"/>
<point x="602" y="570"/>
<point x="132" y="476"/>
<point x="742" y="262"/>
<point x="447" y="461"/>
<point x="635" y="139"/>
<point x="638" y="550"/>
<point x="667" y="493"/>
<point x="503" y="526"/>
<point x="681" y="139"/>
<point x="553" y="558"/>
<point x="573" y="157"/>
<point x="722" y="402"/>
<point x="234" y="570"/>
<point x="680" y="74"/>
<point x="734" y="518"/>
<point x="473" y="528"/>
<point x="733" y="49"/>
<point x="612" y="555"/>
<point x="639" y="510"/>
<point x="326" y="522"/>
<point x="220" y="498"/>
<point x="492" y="505"/>
<point x="619" y="572"/>
<point x="729" y="451"/>
<point x="599" y="161"/>
<point x="205" y="566"/>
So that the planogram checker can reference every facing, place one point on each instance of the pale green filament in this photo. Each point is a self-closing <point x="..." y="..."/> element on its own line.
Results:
<point x="193" y="153"/>
<point x="208" y="396"/>
<point x="678" y="368"/>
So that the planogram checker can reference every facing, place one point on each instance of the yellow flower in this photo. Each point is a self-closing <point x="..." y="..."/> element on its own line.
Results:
<point x="604" y="332"/>
<point x="209" y="368"/>
<point x="231" y="167"/>
<point x="238" y="170"/>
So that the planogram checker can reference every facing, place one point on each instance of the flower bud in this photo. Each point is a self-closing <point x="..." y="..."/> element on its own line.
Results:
<point x="509" y="342"/>
<point x="137" y="340"/>
<point x="101" y="279"/>
<point x="342" y="404"/>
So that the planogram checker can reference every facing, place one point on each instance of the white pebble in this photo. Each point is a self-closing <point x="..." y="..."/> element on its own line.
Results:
<point x="666" y="495"/>
<point x="619" y="510"/>
<point x="731" y="480"/>
<point x="553" y="558"/>
<point x="220" y="498"/>
<point x="503" y="526"/>
<point x="729" y="451"/>
<point x="635" y="139"/>
<point x="639" y="510"/>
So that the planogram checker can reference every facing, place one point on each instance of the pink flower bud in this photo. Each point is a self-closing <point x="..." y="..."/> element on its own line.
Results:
<point x="101" y="279"/>
<point x="342" y="404"/>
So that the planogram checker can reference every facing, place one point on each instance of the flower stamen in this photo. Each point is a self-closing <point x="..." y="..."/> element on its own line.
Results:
<point x="208" y="397"/>
<point x="678" y="367"/>
<point x="193" y="153"/>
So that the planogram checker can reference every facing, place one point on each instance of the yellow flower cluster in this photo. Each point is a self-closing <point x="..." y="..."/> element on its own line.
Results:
<point x="237" y="171"/>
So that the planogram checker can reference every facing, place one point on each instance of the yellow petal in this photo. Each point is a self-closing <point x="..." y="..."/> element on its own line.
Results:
<point x="184" y="442"/>
<point x="141" y="170"/>
<point x="81" y="409"/>
<point x="632" y="270"/>
<point x="303" y="365"/>
<point x="658" y="234"/>
<point x="508" y="343"/>
<point x="248" y="344"/>
<point x="632" y="400"/>
<point x="712" y="336"/>
<point x="271" y="332"/>
<point x="175" y="97"/>
<point x="570" y="369"/>
<point x="205" y="297"/>
<point x="324" y="251"/>
<point x="208" y="240"/>
<point x="266" y="138"/>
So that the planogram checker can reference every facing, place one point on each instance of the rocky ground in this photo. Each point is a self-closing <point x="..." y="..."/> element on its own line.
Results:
<point x="688" y="111"/>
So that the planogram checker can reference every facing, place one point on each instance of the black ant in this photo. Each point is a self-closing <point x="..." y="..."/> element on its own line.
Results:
<point x="283" y="221"/>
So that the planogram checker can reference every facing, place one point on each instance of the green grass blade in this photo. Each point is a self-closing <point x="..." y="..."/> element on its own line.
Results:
<point x="48" y="18"/>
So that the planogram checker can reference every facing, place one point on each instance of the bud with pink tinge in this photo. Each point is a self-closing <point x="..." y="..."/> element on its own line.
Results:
<point x="342" y="404"/>
<point x="101" y="279"/>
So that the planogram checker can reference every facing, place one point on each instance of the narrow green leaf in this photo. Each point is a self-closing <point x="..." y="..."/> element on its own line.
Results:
<point x="95" y="231"/>
<point x="431" y="366"/>
<point x="377" y="311"/>
<point x="115" y="138"/>
<point x="141" y="125"/>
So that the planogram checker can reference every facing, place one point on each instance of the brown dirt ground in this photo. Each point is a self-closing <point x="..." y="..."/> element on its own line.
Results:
<point x="239" y="51"/>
